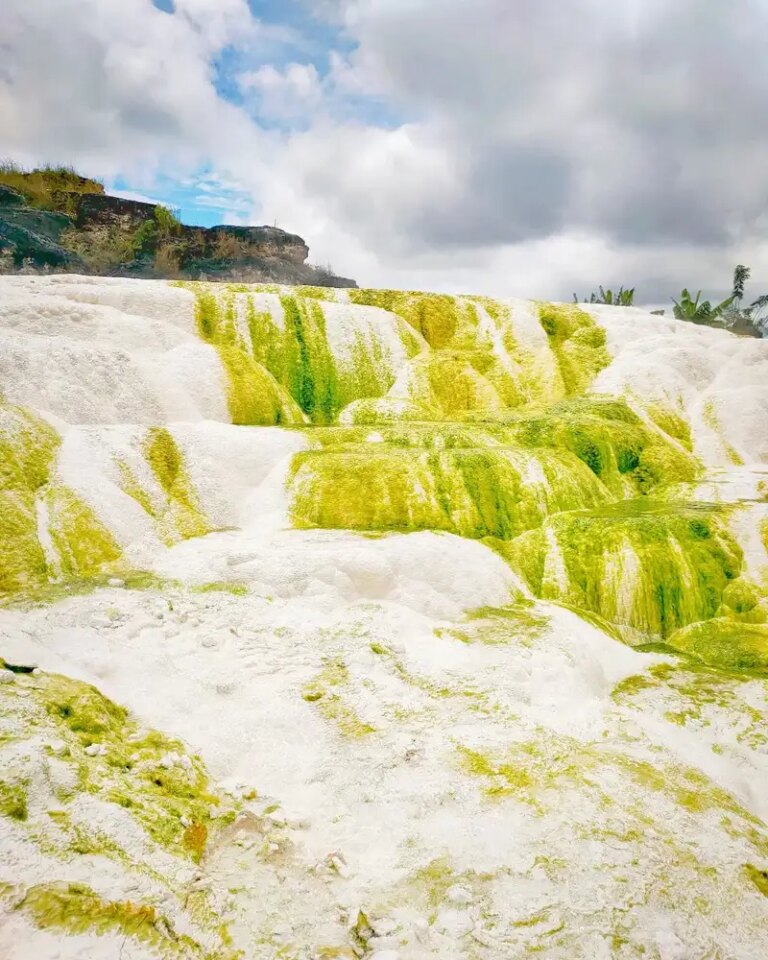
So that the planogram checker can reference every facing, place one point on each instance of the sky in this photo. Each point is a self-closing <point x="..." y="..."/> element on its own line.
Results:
<point x="530" y="148"/>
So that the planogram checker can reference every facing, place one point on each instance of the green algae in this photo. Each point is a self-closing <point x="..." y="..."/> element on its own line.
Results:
<point x="537" y="772"/>
<point x="182" y="516"/>
<point x="578" y="343"/>
<point x="629" y="456"/>
<point x="328" y="692"/>
<point x="652" y="566"/>
<point x="436" y="317"/>
<point x="80" y="545"/>
<point x="283" y="371"/>
<point x="13" y="800"/>
<point x="139" y="771"/>
<point x="729" y="644"/>
<point x="28" y="447"/>
<point x="223" y="586"/>
<point x="713" y="422"/>
<point x="474" y="493"/>
<point x="76" y="909"/>
<point x="672" y="422"/>
<point x="254" y="396"/>
<point x="518" y="623"/>
<point x="83" y="543"/>
<point x="758" y="877"/>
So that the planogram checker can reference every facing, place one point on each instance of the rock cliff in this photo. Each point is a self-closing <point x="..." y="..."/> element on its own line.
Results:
<point x="92" y="232"/>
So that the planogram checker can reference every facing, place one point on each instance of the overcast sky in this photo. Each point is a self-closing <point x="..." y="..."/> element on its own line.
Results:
<point x="509" y="147"/>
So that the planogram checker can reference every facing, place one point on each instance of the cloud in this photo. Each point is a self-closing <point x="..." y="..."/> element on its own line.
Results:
<point x="285" y="95"/>
<point x="529" y="146"/>
<point x="117" y="86"/>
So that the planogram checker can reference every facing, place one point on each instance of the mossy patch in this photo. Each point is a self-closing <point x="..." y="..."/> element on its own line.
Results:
<point x="472" y="492"/>
<point x="83" y="543"/>
<point x="13" y="800"/>
<point x="75" y="909"/>
<point x="577" y="342"/>
<point x="651" y="566"/>
<point x="725" y="643"/>
<point x="28" y="447"/>
<point x="329" y="692"/>
<point x="146" y="773"/>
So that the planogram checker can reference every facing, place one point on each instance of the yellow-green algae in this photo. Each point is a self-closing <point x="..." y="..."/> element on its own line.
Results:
<point x="691" y="693"/>
<point x="577" y="342"/>
<point x="327" y="692"/>
<point x="83" y="543"/>
<point x="150" y="776"/>
<point x="28" y="446"/>
<point x="286" y="373"/>
<point x="183" y="516"/>
<point x="28" y="490"/>
<point x="713" y="422"/>
<point x="74" y="909"/>
<point x="253" y="395"/>
<point x="139" y="770"/>
<point x="472" y="492"/>
<point x="652" y="566"/>
<point x="730" y="644"/>
<point x="437" y="317"/>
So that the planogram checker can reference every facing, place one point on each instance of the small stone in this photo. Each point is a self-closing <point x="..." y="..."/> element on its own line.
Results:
<point x="94" y="750"/>
<point x="58" y="747"/>
<point x="116" y="582"/>
<point x="185" y="821"/>
<point x="210" y="642"/>
<point x="7" y="677"/>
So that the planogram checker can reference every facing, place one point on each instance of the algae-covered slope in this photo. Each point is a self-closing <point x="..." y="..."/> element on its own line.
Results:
<point x="453" y="613"/>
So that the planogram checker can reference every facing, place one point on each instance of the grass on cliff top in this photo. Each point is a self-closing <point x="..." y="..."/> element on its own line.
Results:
<point x="46" y="187"/>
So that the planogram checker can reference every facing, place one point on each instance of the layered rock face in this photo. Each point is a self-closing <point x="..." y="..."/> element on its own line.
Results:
<point x="378" y="624"/>
<point x="106" y="235"/>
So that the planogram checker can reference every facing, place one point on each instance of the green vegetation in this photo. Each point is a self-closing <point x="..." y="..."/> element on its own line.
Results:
<point x="699" y="311"/>
<point x="328" y="691"/>
<point x="48" y="188"/>
<point x="28" y="446"/>
<point x="619" y="298"/>
<point x="654" y="567"/>
<point x="577" y="342"/>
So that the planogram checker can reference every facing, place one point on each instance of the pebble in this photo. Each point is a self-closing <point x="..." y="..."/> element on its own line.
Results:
<point x="95" y="750"/>
<point x="116" y="582"/>
<point x="7" y="677"/>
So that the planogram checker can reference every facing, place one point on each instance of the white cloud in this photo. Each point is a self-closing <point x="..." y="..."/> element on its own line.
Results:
<point x="114" y="87"/>
<point x="542" y="148"/>
<point x="293" y="92"/>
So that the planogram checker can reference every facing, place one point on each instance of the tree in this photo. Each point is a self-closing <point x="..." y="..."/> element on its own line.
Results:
<point x="697" y="310"/>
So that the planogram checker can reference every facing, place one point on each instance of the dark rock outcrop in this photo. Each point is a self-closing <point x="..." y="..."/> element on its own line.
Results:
<point x="112" y="236"/>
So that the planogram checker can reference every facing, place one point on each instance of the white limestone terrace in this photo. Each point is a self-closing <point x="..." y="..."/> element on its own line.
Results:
<point x="379" y="735"/>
